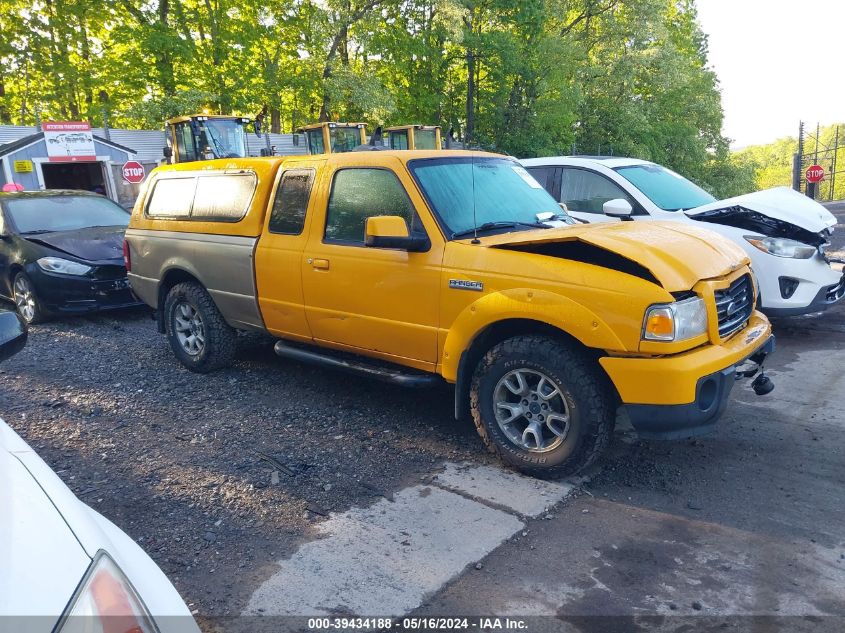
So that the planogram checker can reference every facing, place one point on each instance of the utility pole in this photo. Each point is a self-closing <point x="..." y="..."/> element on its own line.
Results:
<point x="796" y="159"/>
<point x="833" y="166"/>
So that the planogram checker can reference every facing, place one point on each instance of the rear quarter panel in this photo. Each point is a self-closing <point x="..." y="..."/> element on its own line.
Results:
<point x="220" y="255"/>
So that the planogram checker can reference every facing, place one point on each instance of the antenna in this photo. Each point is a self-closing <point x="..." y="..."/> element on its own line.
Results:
<point x="475" y="239"/>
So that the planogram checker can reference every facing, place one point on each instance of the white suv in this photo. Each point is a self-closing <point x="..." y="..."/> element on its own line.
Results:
<point x="783" y="232"/>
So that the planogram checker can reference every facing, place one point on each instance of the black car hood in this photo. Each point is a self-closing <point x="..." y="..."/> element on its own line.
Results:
<point x="97" y="244"/>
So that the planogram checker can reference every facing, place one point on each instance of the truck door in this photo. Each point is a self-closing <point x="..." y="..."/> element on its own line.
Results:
<point x="373" y="299"/>
<point x="278" y="256"/>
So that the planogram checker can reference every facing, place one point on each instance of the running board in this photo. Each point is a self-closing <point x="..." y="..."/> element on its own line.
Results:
<point x="385" y="373"/>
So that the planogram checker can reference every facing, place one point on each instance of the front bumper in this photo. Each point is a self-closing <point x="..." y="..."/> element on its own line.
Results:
<point x="80" y="294"/>
<point x="698" y="417"/>
<point x="817" y="283"/>
<point x="685" y="394"/>
<point x="825" y="297"/>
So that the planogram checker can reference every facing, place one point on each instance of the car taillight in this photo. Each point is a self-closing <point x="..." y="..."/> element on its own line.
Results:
<point x="127" y="258"/>
<point x="106" y="602"/>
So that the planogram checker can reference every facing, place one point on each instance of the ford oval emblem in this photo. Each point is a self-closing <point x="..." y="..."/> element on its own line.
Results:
<point x="732" y="309"/>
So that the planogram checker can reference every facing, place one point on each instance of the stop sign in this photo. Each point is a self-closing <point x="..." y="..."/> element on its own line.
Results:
<point x="133" y="172"/>
<point x="815" y="173"/>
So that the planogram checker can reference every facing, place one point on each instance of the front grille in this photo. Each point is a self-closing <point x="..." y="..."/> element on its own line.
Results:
<point x="109" y="271"/>
<point x="734" y="305"/>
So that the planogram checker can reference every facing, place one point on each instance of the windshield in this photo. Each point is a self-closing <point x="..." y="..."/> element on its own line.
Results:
<point x="668" y="190"/>
<point x="64" y="213"/>
<point x="498" y="189"/>
<point x="226" y="138"/>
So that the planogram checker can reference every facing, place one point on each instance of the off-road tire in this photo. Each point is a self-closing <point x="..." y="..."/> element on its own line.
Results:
<point x="588" y="394"/>
<point x="40" y="314"/>
<point x="220" y="338"/>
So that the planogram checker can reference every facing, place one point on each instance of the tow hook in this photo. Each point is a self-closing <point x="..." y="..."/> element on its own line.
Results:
<point x="762" y="384"/>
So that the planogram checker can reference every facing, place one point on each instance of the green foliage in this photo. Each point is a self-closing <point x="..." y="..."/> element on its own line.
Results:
<point x="151" y="113"/>
<point x="525" y="77"/>
<point x="771" y="164"/>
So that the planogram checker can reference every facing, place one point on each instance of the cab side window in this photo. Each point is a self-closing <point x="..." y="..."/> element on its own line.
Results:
<point x="291" y="203"/>
<point x="587" y="191"/>
<point x="360" y="193"/>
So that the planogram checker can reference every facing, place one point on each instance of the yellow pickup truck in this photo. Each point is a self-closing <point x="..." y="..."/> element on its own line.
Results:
<point x="422" y="266"/>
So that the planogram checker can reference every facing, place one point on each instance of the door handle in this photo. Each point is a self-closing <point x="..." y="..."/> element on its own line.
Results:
<point x="319" y="264"/>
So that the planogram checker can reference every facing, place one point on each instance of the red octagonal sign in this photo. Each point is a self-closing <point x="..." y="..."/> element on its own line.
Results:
<point x="815" y="173"/>
<point x="133" y="172"/>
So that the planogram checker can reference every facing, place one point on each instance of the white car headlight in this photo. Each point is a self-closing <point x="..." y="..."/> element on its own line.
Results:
<point x="63" y="266"/>
<point x="106" y="601"/>
<point x="678" y="321"/>
<point x="782" y="247"/>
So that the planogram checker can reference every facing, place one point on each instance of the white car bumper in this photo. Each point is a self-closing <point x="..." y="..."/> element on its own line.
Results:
<point x="819" y="286"/>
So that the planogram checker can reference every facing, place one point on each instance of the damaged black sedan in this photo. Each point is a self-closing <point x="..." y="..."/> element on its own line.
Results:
<point x="62" y="252"/>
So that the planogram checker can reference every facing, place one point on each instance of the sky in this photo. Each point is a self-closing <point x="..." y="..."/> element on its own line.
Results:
<point x="778" y="62"/>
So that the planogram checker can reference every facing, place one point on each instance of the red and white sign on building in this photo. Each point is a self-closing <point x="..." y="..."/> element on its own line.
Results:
<point x="69" y="141"/>
<point x="133" y="172"/>
<point x="815" y="173"/>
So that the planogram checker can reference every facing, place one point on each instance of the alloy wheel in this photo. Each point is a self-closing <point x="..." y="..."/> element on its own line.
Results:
<point x="531" y="410"/>
<point x="189" y="328"/>
<point x="25" y="298"/>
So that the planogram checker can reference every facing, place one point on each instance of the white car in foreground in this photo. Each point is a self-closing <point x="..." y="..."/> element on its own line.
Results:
<point x="63" y="567"/>
<point x="783" y="232"/>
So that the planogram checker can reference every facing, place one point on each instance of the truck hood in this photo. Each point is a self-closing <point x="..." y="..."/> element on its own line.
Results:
<point x="676" y="255"/>
<point x="41" y="559"/>
<point x="781" y="203"/>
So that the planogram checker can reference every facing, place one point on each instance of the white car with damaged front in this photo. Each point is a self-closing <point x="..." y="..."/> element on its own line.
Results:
<point x="64" y="568"/>
<point x="783" y="232"/>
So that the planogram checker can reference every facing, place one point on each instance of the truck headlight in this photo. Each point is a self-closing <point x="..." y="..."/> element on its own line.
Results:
<point x="62" y="266"/>
<point x="106" y="601"/>
<point x="782" y="247"/>
<point x="676" y="321"/>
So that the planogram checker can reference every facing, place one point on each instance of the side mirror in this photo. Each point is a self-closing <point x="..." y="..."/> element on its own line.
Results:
<point x="168" y="152"/>
<point x="12" y="334"/>
<point x="391" y="231"/>
<point x="618" y="208"/>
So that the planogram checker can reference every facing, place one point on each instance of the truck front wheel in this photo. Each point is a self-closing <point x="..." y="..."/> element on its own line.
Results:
<point x="199" y="336"/>
<point x="542" y="406"/>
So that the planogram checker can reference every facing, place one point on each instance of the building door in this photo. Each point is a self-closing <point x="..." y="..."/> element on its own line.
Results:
<point x="85" y="176"/>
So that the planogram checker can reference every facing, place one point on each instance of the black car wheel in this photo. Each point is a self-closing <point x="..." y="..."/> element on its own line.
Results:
<point x="25" y="299"/>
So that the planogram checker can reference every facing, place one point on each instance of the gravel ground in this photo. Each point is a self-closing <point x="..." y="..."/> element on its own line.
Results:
<point x="215" y="474"/>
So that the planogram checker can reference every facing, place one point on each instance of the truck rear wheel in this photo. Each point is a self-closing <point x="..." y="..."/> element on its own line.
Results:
<point x="198" y="334"/>
<point x="542" y="406"/>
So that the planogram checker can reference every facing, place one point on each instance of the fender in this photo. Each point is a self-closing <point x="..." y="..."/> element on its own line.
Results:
<point x="545" y="307"/>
